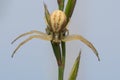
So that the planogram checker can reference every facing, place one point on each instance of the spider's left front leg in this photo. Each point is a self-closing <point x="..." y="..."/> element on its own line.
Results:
<point x="25" y="34"/>
<point x="41" y="36"/>
<point x="85" y="41"/>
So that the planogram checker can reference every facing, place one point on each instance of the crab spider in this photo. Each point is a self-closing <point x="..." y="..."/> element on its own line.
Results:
<point x="56" y="32"/>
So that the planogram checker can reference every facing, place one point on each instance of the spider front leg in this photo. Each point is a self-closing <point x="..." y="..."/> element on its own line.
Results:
<point x="65" y="32"/>
<point x="85" y="41"/>
<point x="25" y="34"/>
<point x="41" y="36"/>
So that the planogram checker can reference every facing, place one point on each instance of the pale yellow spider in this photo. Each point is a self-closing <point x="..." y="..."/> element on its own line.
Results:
<point x="56" y="28"/>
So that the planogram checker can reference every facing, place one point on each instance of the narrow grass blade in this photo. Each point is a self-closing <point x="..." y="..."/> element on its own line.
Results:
<point x="61" y="4"/>
<point x="70" y="8"/>
<point x="63" y="45"/>
<point x="57" y="52"/>
<point x="74" y="71"/>
<point x="47" y="15"/>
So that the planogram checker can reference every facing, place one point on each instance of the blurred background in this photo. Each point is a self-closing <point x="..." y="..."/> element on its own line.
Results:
<point x="96" y="20"/>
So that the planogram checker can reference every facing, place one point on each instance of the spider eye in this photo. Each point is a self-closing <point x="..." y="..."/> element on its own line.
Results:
<point x="58" y="20"/>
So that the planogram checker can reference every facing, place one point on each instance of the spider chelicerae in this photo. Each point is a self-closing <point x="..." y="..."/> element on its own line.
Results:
<point x="56" y="31"/>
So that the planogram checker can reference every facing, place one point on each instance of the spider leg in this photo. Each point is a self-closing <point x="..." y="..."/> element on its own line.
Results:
<point x="27" y="33"/>
<point x="85" y="41"/>
<point x="42" y="36"/>
<point x="67" y="32"/>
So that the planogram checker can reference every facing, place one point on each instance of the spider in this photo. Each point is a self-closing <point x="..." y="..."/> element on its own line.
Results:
<point x="56" y="31"/>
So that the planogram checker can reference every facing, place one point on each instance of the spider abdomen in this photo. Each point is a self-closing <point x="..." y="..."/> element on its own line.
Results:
<point x="58" y="20"/>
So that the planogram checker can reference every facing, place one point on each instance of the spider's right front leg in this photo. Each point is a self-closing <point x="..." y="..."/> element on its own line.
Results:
<point x="85" y="41"/>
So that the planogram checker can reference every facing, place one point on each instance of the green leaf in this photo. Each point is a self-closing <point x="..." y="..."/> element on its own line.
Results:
<point x="57" y="52"/>
<point x="74" y="71"/>
<point x="61" y="4"/>
<point x="61" y="72"/>
<point x="70" y="8"/>
<point x="63" y="45"/>
<point x="47" y="15"/>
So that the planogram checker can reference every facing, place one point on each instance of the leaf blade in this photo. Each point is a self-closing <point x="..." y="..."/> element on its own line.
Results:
<point x="57" y="52"/>
<point x="70" y="8"/>
<point x="61" y="4"/>
<point x="47" y="15"/>
<point x="75" y="68"/>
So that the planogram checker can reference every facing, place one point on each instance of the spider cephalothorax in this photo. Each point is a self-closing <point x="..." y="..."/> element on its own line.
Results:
<point x="56" y="31"/>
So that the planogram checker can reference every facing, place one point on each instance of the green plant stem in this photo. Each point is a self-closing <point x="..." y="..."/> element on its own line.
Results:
<point x="62" y="66"/>
<point x="63" y="53"/>
<point x="60" y="57"/>
<point x="57" y="52"/>
<point x="60" y="72"/>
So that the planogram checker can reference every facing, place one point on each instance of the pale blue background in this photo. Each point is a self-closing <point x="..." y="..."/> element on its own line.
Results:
<point x="96" y="20"/>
